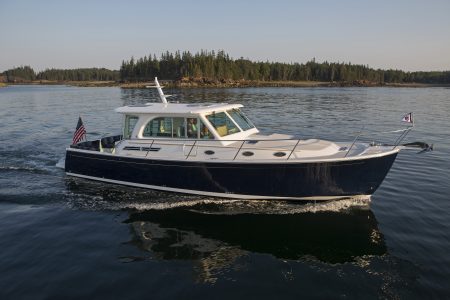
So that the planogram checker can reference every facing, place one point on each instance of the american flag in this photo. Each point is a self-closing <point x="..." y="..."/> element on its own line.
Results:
<point x="408" y="118"/>
<point x="80" y="132"/>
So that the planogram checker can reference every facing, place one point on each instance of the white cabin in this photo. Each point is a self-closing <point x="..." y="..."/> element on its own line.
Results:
<point x="221" y="122"/>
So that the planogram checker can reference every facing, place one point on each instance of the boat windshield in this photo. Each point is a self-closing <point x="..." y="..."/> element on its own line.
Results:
<point x="240" y="119"/>
<point x="222" y="123"/>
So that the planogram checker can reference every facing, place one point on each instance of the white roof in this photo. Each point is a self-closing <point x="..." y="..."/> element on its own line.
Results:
<point x="176" y="108"/>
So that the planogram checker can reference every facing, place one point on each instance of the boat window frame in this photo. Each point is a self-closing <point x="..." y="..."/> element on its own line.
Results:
<point x="210" y="134"/>
<point x="243" y="117"/>
<point x="127" y="133"/>
<point x="182" y="127"/>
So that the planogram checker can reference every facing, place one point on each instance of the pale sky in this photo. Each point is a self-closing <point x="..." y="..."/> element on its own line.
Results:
<point x="408" y="35"/>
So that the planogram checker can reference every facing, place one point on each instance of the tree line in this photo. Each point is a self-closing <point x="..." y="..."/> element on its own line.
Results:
<point x="220" y="66"/>
<point x="26" y="73"/>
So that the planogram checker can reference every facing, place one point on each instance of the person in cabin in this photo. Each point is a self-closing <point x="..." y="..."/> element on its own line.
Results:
<point x="192" y="127"/>
<point x="205" y="133"/>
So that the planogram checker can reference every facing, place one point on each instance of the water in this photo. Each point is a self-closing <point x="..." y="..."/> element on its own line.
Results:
<point x="70" y="238"/>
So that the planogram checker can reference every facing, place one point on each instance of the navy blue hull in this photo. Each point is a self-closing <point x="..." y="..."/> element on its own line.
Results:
<point x="293" y="180"/>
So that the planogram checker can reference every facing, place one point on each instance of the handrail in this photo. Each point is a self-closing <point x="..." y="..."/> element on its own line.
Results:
<point x="354" y="141"/>
<point x="365" y="133"/>
<point x="229" y="147"/>
<point x="401" y="137"/>
<point x="360" y="133"/>
<point x="243" y="142"/>
<point x="298" y="141"/>
<point x="208" y="140"/>
<point x="150" y="148"/>
<point x="218" y="143"/>
<point x="191" y="149"/>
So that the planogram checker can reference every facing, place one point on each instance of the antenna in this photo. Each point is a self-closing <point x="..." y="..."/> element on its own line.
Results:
<point x="160" y="91"/>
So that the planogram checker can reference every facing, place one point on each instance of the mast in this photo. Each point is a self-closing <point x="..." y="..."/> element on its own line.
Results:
<point x="160" y="91"/>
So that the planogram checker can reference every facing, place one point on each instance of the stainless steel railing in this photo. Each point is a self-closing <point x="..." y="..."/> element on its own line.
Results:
<point x="185" y="142"/>
<point x="217" y="143"/>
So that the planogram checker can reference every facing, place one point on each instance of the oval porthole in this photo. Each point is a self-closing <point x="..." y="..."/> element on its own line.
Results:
<point x="279" y="154"/>
<point x="247" y="153"/>
<point x="209" y="152"/>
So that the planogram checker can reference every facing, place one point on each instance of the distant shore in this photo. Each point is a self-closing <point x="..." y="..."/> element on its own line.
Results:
<point x="206" y="83"/>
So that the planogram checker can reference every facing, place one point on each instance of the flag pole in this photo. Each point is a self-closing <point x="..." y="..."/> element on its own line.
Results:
<point x="409" y="118"/>
<point x="80" y="132"/>
<point x="84" y="137"/>
<point x="85" y="134"/>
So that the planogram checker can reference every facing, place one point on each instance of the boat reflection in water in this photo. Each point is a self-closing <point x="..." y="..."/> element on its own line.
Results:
<point x="218" y="235"/>
<point x="216" y="240"/>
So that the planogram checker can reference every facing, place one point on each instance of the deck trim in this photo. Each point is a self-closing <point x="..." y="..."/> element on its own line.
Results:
<point x="246" y="161"/>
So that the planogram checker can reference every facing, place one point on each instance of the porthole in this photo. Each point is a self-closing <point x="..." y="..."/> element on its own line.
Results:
<point x="247" y="153"/>
<point x="209" y="152"/>
<point x="279" y="154"/>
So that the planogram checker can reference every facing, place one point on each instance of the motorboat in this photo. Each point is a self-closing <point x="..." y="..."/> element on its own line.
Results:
<point x="213" y="149"/>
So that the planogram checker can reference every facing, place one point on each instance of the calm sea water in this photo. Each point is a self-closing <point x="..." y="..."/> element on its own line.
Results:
<point x="63" y="238"/>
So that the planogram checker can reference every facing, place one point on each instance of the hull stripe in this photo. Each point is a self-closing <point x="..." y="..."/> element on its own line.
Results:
<point x="212" y="194"/>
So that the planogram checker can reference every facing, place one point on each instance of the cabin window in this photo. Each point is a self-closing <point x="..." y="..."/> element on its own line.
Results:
<point x="195" y="131"/>
<point x="130" y="123"/>
<point x="240" y="119"/>
<point x="165" y="127"/>
<point x="204" y="132"/>
<point x="222" y="123"/>
<point x="158" y="127"/>
<point x="179" y="128"/>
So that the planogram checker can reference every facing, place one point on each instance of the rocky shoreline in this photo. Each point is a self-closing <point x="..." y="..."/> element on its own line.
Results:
<point x="225" y="83"/>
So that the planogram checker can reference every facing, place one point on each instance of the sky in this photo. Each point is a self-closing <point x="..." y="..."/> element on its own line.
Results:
<point x="396" y="34"/>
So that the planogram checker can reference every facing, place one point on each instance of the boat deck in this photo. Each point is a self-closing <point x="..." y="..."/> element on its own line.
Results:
<point x="258" y="148"/>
